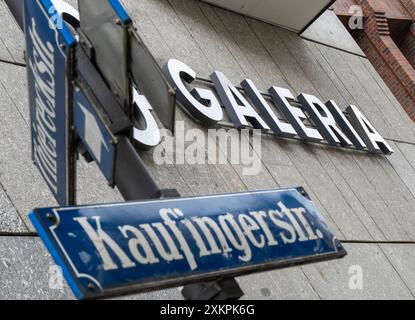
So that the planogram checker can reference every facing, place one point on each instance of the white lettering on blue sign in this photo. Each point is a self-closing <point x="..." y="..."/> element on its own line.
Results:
<point x="151" y="243"/>
<point x="42" y="66"/>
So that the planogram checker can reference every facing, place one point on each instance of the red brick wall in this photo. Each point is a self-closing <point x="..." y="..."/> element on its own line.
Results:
<point x="341" y="7"/>
<point x="408" y="45"/>
<point x="394" y="64"/>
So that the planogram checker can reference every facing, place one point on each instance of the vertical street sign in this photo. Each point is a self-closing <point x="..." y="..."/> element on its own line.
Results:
<point x="50" y="54"/>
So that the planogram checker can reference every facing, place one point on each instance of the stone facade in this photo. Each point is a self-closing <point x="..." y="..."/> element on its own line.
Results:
<point x="367" y="199"/>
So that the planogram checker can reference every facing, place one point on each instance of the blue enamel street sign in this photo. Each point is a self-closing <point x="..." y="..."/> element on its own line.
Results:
<point x="49" y="48"/>
<point x="117" y="249"/>
<point x="94" y="134"/>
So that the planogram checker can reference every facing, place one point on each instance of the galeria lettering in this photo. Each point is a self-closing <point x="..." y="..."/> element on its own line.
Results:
<point x="252" y="110"/>
<point x="331" y="124"/>
<point x="178" y="238"/>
